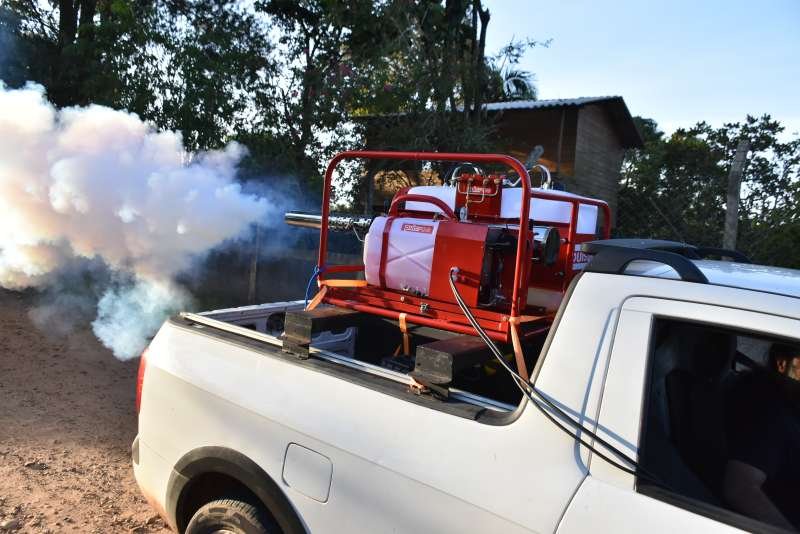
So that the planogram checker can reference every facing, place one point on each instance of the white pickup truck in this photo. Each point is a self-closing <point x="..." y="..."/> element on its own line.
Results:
<point x="237" y="435"/>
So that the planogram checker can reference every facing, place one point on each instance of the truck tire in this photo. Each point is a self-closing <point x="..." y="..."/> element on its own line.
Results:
<point x="231" y="516"/>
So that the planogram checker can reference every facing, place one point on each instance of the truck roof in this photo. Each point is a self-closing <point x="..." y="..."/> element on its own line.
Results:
<point x="764" y="278"/>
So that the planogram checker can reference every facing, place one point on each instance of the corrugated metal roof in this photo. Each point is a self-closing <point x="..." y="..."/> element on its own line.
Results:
<point x="615" y="106"/>
<point x="552" y="103"/>
<point x="620" y="116"/>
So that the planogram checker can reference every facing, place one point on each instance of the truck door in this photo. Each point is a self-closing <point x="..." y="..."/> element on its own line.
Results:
<point x="673" y="368"/>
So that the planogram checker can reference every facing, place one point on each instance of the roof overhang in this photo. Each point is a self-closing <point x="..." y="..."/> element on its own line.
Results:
<point x="615" y="106"/>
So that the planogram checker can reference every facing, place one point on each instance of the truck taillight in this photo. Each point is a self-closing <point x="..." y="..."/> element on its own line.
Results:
<point x="140" y="380"/>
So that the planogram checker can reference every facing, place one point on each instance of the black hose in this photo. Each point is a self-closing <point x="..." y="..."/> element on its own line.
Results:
<point x="529" y="391"/>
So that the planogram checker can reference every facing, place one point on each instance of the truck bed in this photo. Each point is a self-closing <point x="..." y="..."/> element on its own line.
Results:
<point x="260" y="327"/>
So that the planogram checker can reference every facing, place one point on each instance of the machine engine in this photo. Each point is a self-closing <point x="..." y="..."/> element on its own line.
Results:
<point x="509" y="249"/>
<point x="414" y="253"/>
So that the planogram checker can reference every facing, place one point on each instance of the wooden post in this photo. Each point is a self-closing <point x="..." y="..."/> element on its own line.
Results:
<point x="560" y="142"/>
<point x="369" y="193"/>
<point x="251" y="293"/>
<point x="734" y="190"/>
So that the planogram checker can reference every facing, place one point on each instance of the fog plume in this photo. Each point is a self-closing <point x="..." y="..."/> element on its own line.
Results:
<point x="95" y="184"/>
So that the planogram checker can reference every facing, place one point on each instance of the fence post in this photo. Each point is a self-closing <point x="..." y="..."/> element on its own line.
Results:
<point x="251" y="293"/>
<point x="734" y="190"/>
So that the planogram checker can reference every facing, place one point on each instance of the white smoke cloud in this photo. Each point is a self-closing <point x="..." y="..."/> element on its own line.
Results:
<point x="96" y="182"/>
<point x="128" y="315"/>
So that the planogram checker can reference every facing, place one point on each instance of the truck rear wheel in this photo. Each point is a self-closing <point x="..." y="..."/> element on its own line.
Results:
<point x="231" y="516"/>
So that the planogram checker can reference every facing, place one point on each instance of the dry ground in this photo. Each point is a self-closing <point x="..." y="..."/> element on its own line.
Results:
<point x="66" y="424"/>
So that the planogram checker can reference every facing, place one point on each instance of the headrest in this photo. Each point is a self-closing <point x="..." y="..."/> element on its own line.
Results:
<point x="706" y="354"/>
<point x="713" y="354"/>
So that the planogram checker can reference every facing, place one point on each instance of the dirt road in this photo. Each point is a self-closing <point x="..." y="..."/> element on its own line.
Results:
<point x="66" y="424"/>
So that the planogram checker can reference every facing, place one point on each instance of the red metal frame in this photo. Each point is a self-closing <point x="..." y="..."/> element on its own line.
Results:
<point x="444" y="315"/>
<point x="573" y="224"/>
<point x="520" y="267"/>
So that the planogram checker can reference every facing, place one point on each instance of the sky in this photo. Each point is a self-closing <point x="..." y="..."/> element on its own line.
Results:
<point x="678" y="61"/>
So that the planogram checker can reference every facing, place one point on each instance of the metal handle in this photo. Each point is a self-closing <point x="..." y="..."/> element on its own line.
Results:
<point x="547" y="180"/>
<point x="459" y="167"/>
<point x="439" y="203"/>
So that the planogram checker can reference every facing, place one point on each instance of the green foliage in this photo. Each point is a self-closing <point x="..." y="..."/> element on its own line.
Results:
<point x="417" y="70"/>
<point x="194" y="66"/>
<point x="675" y="188"/>
<point x="297" y="80"/>
<point x="89" y="52"/>
<point x="314" y="57"/>
<point x="216" y="69"/>
<point x="506" y="81"/>
<point x="285" y="77"/>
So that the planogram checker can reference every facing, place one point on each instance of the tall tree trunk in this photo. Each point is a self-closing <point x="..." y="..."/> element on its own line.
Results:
<point x="252" y="286"/>
<point x="471" y="89"/>
<point x="445" y="80"/>
<point x="88" y="10"/>
<point x="480" y="64"/>
<point x="61" y="89"/>
<point x="67" y="22"/>
<point x="734" y="191"/>
<point x="305" y="106"/>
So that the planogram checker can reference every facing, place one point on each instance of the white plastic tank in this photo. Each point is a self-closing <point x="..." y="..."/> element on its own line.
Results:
<point x="410" y="255"/>
<point x="545" y="210"/>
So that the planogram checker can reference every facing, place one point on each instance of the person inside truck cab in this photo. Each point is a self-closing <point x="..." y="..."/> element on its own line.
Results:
<point x="762" y="475"/>
<point x="786" y="361"/>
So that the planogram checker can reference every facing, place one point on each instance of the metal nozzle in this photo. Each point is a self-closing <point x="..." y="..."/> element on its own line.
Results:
<point x="336" y="223"/>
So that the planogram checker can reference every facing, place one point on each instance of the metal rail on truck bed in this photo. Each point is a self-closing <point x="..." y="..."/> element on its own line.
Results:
<point x="352" y="363"/>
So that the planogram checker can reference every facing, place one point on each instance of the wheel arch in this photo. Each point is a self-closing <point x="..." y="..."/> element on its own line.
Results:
<point x="230" y="465"/>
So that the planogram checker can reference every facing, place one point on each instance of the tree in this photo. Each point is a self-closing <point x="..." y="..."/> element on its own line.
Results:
<point x="506" y="81"/>
<point x="217" y="69"/>
<point x="431" y="65"/>
<point x="675" y="188"/>
<point x="419" y="65"/>
<point x="284" y="76"/>
<point x="316" y="78"/>
<point x="194" y="66"/>
<point x="82" y="51"/>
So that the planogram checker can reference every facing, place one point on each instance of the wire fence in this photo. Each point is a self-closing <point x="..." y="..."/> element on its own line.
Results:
<point x="765" y="241"/>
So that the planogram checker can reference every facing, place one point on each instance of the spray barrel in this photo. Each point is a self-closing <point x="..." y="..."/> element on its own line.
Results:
<point x="336" y="223"/>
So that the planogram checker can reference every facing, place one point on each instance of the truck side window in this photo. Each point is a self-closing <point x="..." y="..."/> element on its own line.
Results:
<point x="721" y="427"/>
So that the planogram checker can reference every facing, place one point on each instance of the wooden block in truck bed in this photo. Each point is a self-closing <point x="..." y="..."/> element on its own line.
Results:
<point x="300" y="326"/>
<point x="439" y="361"/>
